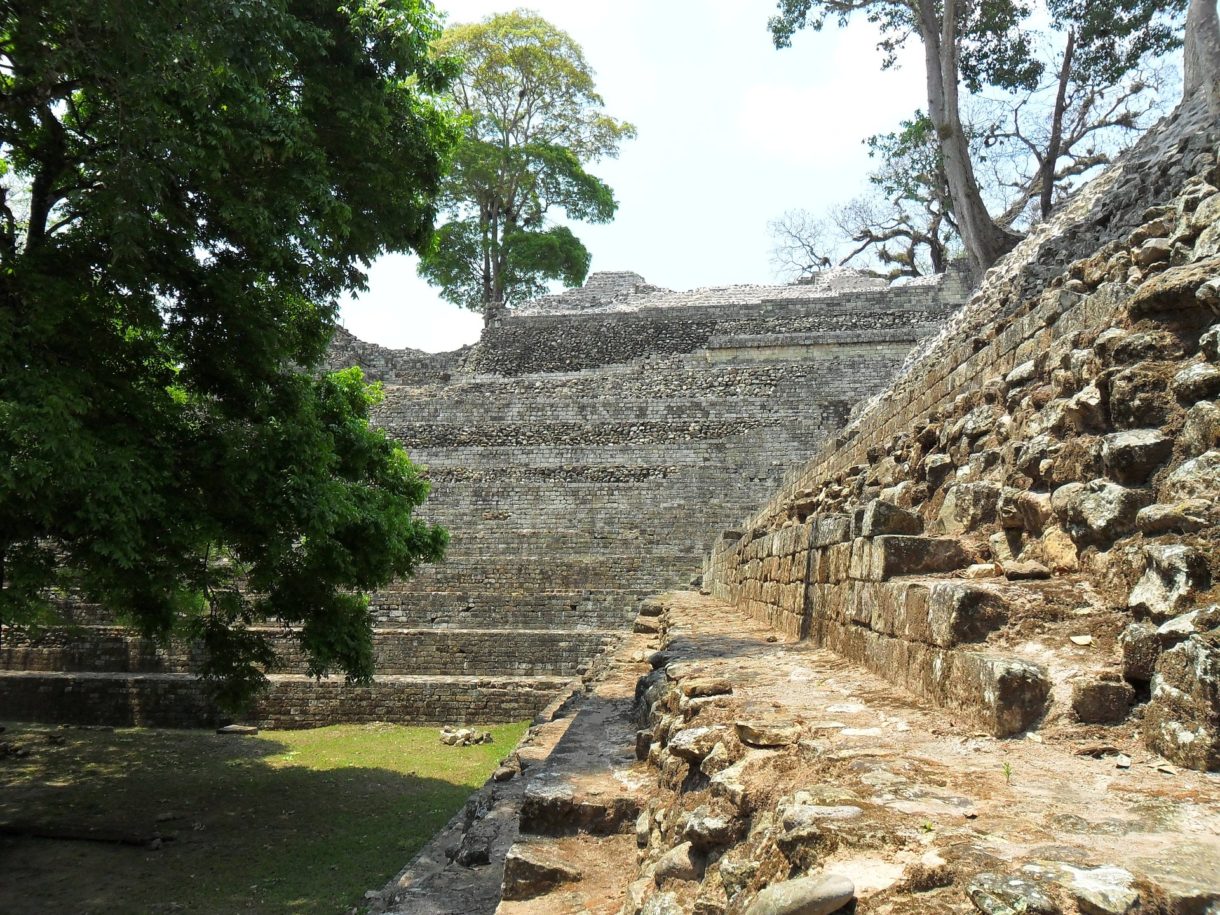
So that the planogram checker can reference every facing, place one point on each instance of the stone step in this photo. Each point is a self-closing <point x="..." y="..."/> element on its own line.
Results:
<point x="858" y="780"/>
<point x="476" y="608"/>
<point x="591" y="784"/>
<point x="396" y="652"/>
<point x="181" y="700"/>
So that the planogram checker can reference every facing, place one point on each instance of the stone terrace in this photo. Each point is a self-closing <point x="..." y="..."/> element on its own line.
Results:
<point x="581" y="457"/>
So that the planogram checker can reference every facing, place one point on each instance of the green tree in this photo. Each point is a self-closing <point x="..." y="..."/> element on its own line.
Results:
<point x="189" y="185"/>
<point x="534" y="123"/>
<point x="973" y="44"/>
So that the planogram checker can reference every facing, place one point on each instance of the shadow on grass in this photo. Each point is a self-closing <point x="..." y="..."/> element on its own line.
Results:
<point x="286" y="824"/>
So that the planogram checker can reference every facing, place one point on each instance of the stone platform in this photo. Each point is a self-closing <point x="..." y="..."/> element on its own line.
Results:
<point x="762" y="758"/>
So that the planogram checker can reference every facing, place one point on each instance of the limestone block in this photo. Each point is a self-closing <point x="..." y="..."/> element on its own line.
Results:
<point x="997" y="894"/>
<point x="531" y="870"/>
<point x="1197" y="382"/>
<point x="1141" y="646"/>
<point x="1180" y="628"/>
<point x="1101" y="701"/>
<point x="912" y="618"/>
<point x="1130" y="457"/>
<point x="1209" y="344"/>
<point x="1025" y="570"/>
<point x="818" y="895"/>
<point x="937" y="468"/>
<point x="839" y="562"/>
<point x="1098" y="511"/>
<point x="1202" y="429"/>
<point x="693" y="744"/>
<point x="1174" y="575"/>
<point x="706" y="828"/>
<point x="768" y="732"/>
<point x="899" y="555"/>
<point x="832" y="529"/>
<point x="1174" y="290"/>
<point x="961" y="612"/>
<point x="1139" y="398"/>
<point x="1182" y="721"/>
<point x="1180" y="517"/>
<point x="1007" y="694"/>
<point x="1153" y="251"/>
<point x="860" y="566"/>
<point x="1084" y="410"/>
<point x="679" y="863"/>
<point x="968" y="506"/>
<point x="1024" y="510"/>
<point x="1198" y="478"/>
<point x="883" y="518"/>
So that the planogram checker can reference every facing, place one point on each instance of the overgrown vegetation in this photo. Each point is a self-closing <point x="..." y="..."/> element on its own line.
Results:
<point x="295" y="821"/>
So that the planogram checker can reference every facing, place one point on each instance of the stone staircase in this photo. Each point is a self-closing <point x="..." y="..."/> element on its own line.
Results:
<point x="767" y="770"/>
<point x="580" y="461"/>
<point x="103" y="675"/>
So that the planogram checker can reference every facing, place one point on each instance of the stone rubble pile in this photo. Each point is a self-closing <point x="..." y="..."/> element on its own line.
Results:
<point x="464" y="737"/>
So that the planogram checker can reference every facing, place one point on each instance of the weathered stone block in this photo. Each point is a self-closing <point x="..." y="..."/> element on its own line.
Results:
<point x="1198" y="478"/>
<point x="1182" y="722"/>
<point x="963" y="612"/>
<point x="531" y="870"/>
<point x="1175" y="573"/>
<point x="1098" y="512"/>
<point x="817" y="895"/>
<point x="693" y="744"/>
<point x="898" y="555"/>
<point x="1019" y="509"/>
<point x="884" y="518"/>
<point x="968" y="506"/>
<point x="1007" y="694"/>
<point x="832" y="529"/>
<point x="1201" y="431"/>
<point x="1179" y="517"/>
<point x="1101" y="701"/>
<point x="1174" y="290"/>
<point x="1130" y="457"/>
<point x="1141" y="646"/>
<point x="1197" y="382"/>
<point x="1139" y="398"/>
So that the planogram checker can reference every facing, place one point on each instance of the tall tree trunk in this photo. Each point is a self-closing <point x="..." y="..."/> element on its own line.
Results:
<point x="986" y="242"/>
<point x="1201" y="69"/>
<point x="1056" y="144"/>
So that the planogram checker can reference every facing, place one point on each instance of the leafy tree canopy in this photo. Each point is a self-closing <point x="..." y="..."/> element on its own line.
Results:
<point x="980" y="44"/>
<point x="188" y="185"/>
<point x="534" y="123"/>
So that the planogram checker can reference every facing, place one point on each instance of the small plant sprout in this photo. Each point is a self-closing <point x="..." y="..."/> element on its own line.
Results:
<point x="1007" y="772"/>
<point x="928" y="826"/>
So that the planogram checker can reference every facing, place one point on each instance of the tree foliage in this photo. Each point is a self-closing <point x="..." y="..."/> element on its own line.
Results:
<point x="188" y="187"/>
<point x="534" y="123"/>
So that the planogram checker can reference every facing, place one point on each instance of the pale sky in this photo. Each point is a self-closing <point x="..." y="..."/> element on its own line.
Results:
<point x="731" y="134"/>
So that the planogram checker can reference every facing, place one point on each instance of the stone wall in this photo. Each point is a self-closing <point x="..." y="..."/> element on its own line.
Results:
<point x="1022" y="526"/>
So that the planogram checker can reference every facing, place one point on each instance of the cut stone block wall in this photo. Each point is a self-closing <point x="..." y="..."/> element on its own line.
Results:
<point x="1055" y="446"/>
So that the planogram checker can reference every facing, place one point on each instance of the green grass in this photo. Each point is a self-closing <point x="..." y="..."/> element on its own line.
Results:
<point x="290" y="821"/>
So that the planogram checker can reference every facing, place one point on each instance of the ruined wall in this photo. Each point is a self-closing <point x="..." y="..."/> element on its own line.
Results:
<point x="1024" y="524"/>
<point x="582" y="456"/>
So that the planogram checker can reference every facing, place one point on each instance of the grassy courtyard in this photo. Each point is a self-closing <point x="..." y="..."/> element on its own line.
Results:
<point x="289" y="821"/>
